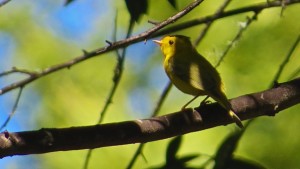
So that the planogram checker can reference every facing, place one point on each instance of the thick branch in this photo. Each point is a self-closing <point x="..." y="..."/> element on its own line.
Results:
<point x="268" y="102"/>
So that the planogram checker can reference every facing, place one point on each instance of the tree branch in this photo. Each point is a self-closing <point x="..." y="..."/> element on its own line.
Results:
<point x="249" y="106"/>
<point x="251" y="8"/>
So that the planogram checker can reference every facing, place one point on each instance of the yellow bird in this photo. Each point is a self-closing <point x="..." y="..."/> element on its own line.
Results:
<point x="191" y="73"/>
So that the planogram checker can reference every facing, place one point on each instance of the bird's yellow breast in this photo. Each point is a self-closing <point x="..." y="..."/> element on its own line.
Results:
<point x="185" y="76"/>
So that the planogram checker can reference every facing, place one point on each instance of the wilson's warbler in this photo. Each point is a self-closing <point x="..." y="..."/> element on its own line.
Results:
<point x="191" y="73"/>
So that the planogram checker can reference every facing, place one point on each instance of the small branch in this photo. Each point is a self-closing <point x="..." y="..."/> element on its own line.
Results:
<point x="286" y="60"/>
<point x="114" y="46"/>
<point x="243" y="28"/>
<point x="153" y="22"/>
<point x="17" y="70"/>
<point x="249" y="106"/>
<point x="282" y="7"/>
<point x="252" y="8"/>
<point x="14" y="109"/>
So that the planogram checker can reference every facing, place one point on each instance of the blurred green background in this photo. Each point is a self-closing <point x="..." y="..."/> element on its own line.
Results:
<point x="38" y="34"/>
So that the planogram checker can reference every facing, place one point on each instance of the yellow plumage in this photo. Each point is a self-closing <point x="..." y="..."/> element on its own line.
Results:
<point x="192" y="73"/>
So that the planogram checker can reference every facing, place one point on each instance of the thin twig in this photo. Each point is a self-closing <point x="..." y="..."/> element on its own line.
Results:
<point x="243" y="27"/>
<point x="13" y="109"/>
<point x="285" y="61"/>
<point x="17" y="70"/>
<point x="283" y="6"/>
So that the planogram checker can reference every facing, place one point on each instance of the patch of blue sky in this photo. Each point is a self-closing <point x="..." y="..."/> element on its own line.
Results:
<point x="7" y="46"/>
<point x="19" y="162"/>
<point x="140" y="103"/>
<point x="157" y="78"/>
<point x="73" y="22"/>
<point x="138" y="54"/>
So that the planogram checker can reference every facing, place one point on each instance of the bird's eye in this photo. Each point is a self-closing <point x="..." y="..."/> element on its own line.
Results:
<point x="171" y="42"/>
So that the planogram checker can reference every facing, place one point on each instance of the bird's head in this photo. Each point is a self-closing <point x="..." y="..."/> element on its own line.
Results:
<point x="173" y="43"/>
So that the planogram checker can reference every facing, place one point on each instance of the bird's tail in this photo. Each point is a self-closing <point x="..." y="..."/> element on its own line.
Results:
<point x="236" y="119"/>
<point x="222" y="99"/>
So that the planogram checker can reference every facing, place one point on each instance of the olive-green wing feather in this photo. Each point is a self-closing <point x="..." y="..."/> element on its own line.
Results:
<point x="197" y="72"/>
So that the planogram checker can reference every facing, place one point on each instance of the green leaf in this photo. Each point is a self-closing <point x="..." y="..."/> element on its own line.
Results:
<point x="225" y="152"/>
<point x="136" y="8"/>
<point x="172" y="149"/>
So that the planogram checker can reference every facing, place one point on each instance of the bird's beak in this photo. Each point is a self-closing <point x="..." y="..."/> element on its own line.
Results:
<point x="157" y="42"/>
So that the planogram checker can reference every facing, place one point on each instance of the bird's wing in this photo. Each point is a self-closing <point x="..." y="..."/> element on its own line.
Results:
<point x="198" y="73"/>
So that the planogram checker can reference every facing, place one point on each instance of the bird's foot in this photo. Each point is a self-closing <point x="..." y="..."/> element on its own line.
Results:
<point x="205" y="102"/>
<point x="196" y="114"/>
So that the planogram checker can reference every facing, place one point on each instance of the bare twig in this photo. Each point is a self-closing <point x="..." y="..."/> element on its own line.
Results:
<point x="153" y="22"/>
<point x="285" y="61"/>
<point x="252" y="8"/>
<point x="243" y="27"/>
<point x="17" y="70"/>
<point x="283" y="6"/>
<point x="156" y="128"/>
<point x="13" y="109"/>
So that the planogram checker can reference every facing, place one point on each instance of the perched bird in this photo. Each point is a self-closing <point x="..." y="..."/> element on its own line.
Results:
<point x="191" y="73"/>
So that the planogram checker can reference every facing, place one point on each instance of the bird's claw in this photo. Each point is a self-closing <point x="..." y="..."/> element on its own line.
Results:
<point x="205" y="102"/>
